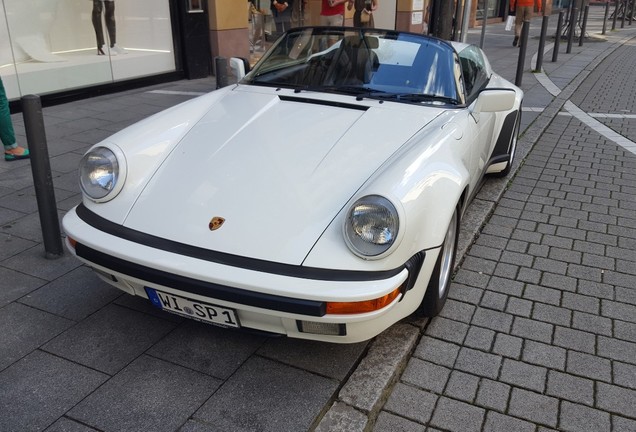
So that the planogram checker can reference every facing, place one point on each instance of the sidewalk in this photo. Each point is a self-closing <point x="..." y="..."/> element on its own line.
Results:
<point x="539" y="331"/>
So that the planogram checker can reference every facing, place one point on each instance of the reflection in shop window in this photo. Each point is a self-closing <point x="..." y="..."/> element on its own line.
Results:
<point x="48" y="46"/>
<point x="195" y="6"/>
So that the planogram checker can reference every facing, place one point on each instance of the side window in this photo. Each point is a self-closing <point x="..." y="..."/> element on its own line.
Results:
<point x="474" y="71"/>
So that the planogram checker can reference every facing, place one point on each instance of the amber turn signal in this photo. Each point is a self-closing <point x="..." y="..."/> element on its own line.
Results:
<point x="365" y="306"/>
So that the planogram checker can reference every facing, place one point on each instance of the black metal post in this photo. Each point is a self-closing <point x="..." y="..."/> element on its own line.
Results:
<point x="483" y="25"/>
<point x="42" y="178"/>
<point x="605" y="18"/>
<point x="584" y="25"/>
<point x="626" y="4"/>
<point x="631" y="13"/>
<point x="572" y="28"/>
<point x="525" y="31"/>
<point x="615" y="15"/>
<point x="557" y="38"/>
<point x="544" y="32"/>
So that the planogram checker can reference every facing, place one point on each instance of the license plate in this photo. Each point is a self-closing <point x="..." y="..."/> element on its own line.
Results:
<point x="193" y="309"/>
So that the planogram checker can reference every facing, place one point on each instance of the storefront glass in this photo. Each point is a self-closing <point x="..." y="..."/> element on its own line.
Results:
<point x="49" y="46"/>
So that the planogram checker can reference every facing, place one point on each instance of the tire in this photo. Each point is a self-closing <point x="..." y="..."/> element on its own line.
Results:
<point x="512" y="148"/>
<point x="437" y="290"/>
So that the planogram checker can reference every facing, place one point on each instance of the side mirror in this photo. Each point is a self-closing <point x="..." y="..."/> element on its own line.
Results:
<point x="494" y="100"/>
<point x="240" y="67"/>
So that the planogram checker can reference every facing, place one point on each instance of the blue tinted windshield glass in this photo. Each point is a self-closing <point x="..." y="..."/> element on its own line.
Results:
<point x="344" y="59"/>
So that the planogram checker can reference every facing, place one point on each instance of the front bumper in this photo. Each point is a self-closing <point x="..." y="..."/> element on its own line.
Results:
<point x="285" y="300"/>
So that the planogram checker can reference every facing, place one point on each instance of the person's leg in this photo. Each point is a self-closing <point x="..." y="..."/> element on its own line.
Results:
<point x="111" y="26"/>
<point x="7" y="134"/>
<point x="96" y="18"/>
<point x="518" y="24"/>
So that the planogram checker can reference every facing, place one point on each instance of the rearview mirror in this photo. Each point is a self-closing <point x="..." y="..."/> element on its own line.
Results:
<point x="495" y="100"/>
<point x="239" y="67"/>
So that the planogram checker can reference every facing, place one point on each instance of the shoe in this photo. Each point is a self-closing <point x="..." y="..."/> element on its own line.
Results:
<point x="10" y="157"/>
<point x="515" y="41"/>
<point x="116" y="49"/>
<point x="100" y="50"/>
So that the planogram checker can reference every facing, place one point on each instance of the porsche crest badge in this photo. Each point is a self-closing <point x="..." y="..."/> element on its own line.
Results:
<point x="215" y="223"/>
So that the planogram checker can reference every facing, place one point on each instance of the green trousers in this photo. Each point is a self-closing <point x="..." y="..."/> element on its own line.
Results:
<point x="7" y="134"/>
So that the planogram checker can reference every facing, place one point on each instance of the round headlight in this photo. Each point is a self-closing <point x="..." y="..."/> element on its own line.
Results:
<point x="99" y="172"/>
<point x="371" y="226"/>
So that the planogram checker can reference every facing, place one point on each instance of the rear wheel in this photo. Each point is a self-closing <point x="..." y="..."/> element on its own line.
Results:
<point x="438" y="286"/>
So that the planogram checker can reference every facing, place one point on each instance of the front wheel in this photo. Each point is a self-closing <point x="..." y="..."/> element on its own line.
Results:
<point x="438" y="286"/>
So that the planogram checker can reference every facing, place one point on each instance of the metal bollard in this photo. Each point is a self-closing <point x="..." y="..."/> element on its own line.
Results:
<point x="605" y="18"/>
<point x="631" y="14"/>
<point x="544" y="31"/>
<point x="42" y="179"/>
<point x="572" y="29"/>
<point x="483" y="25"/>
<point x="557" y="38"/>
<point x="626" y="5"/>
<point x="615" y="15"/>
<point x="220" y="70"/>
<point x="584" y="25"/>
<point x="525" y="31"/>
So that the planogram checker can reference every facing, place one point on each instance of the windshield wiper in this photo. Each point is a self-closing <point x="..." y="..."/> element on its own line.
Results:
<point x="419" y="97"/>
<point x="345" y="89"/>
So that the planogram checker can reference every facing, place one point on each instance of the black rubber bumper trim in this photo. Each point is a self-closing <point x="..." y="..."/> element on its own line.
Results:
<point x="206" y="289"/>
<point x="222" y="258"/>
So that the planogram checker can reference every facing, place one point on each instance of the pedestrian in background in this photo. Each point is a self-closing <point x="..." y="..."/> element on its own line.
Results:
<point x="363" y="12"/>
<point x="282" y="12"/>
<point x="523" y="10"/>
<point x="12" y="151"/>
<point x="332" y="13"/>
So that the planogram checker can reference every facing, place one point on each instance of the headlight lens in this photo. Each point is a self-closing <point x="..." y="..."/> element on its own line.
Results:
<point x="99" y="172"/>
<point x="371" y="226"/>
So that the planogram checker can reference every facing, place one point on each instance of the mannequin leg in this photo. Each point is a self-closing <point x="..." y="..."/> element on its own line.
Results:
<point x="110" y="22"/>
<point x="96" y="16"/>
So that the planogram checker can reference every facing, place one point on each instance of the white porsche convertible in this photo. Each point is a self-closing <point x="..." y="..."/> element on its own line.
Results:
<point x="318" y="198"/>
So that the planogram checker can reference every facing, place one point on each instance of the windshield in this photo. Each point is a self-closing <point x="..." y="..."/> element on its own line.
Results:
<point x="366" y="62"/>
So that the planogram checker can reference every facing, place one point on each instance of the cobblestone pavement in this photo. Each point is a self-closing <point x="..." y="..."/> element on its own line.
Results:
<point x="539" y="332"/>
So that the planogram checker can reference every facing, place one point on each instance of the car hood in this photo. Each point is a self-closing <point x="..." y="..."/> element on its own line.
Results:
<point x="276" y="166"/>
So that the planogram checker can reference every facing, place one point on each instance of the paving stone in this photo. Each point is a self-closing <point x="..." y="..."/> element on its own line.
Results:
<point x="530" y="329"/>
<point x="207" y="349"/>
<point x="523" y="375"/>
<point x="507" y="271"/>
<point x="109" y="339"/>
<point x="542" y="294"/>
<point x="426" y="375"/>
<point x="517" y="306"/>
<point x="589" y="366"/>
<point x="15" y="284"/>
<point x="592" y="323"/>
<point x="25" y="329"/>
<point x="558" y="281"/>
<point x="462" y="386"/>
<point x="617" y="349"/>
<point x="478" y="363"/>
<point x="39" y="388"/>
<point x="342" y="418"/>
<point x="149" y="394"/>
<point x="508" y="346"/>
<point x="492" y="300"/>
<point x="544" y="355"/>
<point x="492" y="319"/>
<point x="388" y="422"/>
<point x="267" y="396"/>
<point x="625" y="375"/>
<point x="479" y="338"/>
<point x="465" y="293"/>
<point x="570" y="387"/>
<point x="534" y="407"/>
<point x="493" y="395"/>
<point x="452" y="331"/>
<point x="457" y="416"/>
<point x="496" y="422"/>
<point x="437" y="351"/>
<point x="552" y="314"/>
<point x="411" y="402"/>
<point x="64" y="424"/>
<point x="596" y="289"/>
<point x="457" y="311"/>
<point x="575" y="339"/>
<point x="505" y="286"/>
<point x="621" y="311"/>
<point x="616" y="399"/>
<point x="529" y="275"/>
<point x="622" y="424"/>
<point x="625" y="331"/>
<point x="581" y="418"/>
<point x="626" y="295"/>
